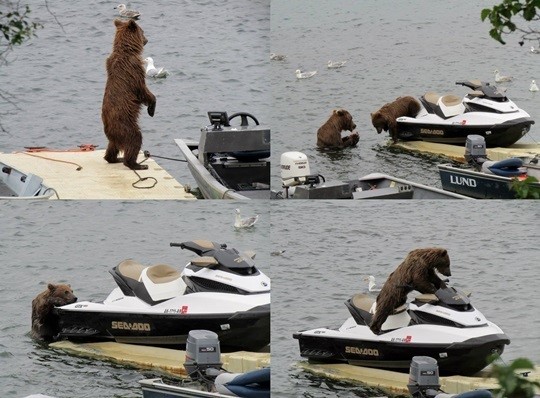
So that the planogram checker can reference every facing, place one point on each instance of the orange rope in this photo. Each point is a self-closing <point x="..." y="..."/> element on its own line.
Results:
<point x="79" y="167"/>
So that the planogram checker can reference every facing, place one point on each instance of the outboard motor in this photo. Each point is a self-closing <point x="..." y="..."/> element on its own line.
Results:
<point x="475" y="151"/>
<point x="424" y="381"/>
<point x="295" y="171"/>
<point x="203" y="356"/>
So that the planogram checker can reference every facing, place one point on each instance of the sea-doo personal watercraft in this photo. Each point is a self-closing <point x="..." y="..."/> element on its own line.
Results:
<point x="443" y="325"/>
<point x="448" y="119"/>
<point x="221" y="291"/>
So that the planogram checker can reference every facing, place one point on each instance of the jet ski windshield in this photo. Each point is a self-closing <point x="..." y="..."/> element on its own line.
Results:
<point x="218" y="256"/>
<point x="485" y="89"/>
<point x="447" y="297"/>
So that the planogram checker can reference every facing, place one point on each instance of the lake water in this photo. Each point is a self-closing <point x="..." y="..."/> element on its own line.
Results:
<point x="217" y="53"/>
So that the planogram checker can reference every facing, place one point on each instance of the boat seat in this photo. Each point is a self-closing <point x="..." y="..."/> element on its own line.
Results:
<point x="162" y="273"/>
<point x="512" y="167"/>
<point x="130" y="269"/>
<point x="445" y="106"/>
<point x="162" y="282"/>
<point x="367" y="303"/>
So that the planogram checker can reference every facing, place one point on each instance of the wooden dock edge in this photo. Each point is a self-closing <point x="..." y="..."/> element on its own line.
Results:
<point x="166" y="360"/>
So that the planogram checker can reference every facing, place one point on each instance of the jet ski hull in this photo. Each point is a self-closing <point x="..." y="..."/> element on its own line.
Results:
<point x="465" y="358"/>
<point x="501" y="134"/>
<point x="245" y="330"/>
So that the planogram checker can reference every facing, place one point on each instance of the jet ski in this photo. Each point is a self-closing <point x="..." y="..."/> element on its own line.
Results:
<point x="221" y="290"/>
<point x="448" y="119"/>
<point x="443" y="325"/>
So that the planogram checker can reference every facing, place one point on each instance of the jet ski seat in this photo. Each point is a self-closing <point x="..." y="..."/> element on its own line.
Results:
<point x="444" y="106"/>
<point x="162" y="282"/>
<point x="362" y="307"/>
<point x="151" y="284"/>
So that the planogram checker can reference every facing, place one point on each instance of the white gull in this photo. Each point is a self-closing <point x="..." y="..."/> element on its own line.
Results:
<point x="371" y="286"/>
<point x="533" y="86"/>
<point x="534" y="50"/>
<point x="336" y="64"/>
<point x="244" y="222"/>
<point x="277" y="57"/>
<point x="124" y="12"/>
<point x="152" y="71"/>
<point x="499" y="78"/>
<point x="304" y="75"/>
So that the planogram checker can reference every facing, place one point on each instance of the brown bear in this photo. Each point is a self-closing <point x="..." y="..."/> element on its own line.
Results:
<point x="385" y="118"/>
<point x="416" y="272"/>
<point x="329" y="134"/>
<point x="125" y="92"/>
<point x="44" y="321"/>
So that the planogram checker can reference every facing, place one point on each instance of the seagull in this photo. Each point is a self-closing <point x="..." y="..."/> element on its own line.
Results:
<point x="336" y="64"/>
<point x="124" y="12"/>
<point x="277" y="252"/>
<point x="152" y="71"/>
<point x="244" y="222"/>
<point x="304" y="75"/>
<point x="277" y="57"/>
<point x="534" y="50"/>
<point x="533" y="86"/>
<point x="500" y="79"/>
<point x="371" y="286"/>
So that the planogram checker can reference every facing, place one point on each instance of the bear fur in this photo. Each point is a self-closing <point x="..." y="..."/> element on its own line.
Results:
<point x="416" y="272"/>
<point x="385" y="118"/>
<point x="329" y="134"/>
<point x="125" y="93"/>
<point x="44" y="321"/>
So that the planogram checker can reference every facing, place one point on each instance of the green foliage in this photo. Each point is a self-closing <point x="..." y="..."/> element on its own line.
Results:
<point x="513" y="384"/>
<point x="524" y="189"/>
<point x="15" y="25"/>
<point x="502" y="16"/>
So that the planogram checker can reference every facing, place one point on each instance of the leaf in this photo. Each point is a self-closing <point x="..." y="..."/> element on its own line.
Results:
<point x="522" y="363"/>
<point x="485" y="13"/>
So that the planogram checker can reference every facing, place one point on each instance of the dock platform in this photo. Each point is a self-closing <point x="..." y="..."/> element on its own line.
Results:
<point x="396" y="382"/>
<point x="457" y="152"/>
<point x="165" y="360"/>
<point x="86" y="175"/>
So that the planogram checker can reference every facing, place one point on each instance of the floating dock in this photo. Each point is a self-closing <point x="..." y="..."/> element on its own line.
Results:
<point x="165" y="360"/>
<point x="84" y="174"/>
<point x="457" y="152"/>
<point x="396" y="382"/>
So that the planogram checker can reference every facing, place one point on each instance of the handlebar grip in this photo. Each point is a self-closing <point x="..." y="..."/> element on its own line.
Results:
<point x="174" y="244"/>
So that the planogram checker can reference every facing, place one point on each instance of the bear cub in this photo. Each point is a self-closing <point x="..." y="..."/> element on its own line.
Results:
<point x="44" y="321"/>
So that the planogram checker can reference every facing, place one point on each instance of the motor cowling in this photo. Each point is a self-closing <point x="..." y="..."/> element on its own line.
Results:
<point x="294" y="168"/>
<point x="203" y="353"/>
<point x="423" y="377"/>
<point x="475" y="150"/>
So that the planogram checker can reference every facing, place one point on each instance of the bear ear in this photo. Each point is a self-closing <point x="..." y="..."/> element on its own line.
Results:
<point x="51" y="287"/>
<point x="338" y="112"/>
<point x="132" y="25"/>
<point x="118" y="23"/>
<point x="443" y="252"/>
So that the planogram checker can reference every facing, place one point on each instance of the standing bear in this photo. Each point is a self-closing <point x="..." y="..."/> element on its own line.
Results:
<point x="44" y="321"/>
<point x="385" y="118"/>
<point x="416" y="272"/>
<point x="329" y="134"/>
<point x="125" y="92"/>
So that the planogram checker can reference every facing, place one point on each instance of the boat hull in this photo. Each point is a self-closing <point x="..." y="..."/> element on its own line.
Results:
<point x="461" y="358"/>
<point x="212" y="185"/>
<point x="476" y="184"/>
<point x="14" y="184"/>
<point x="496" y="135"/>
<point x="244" y="330"/>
